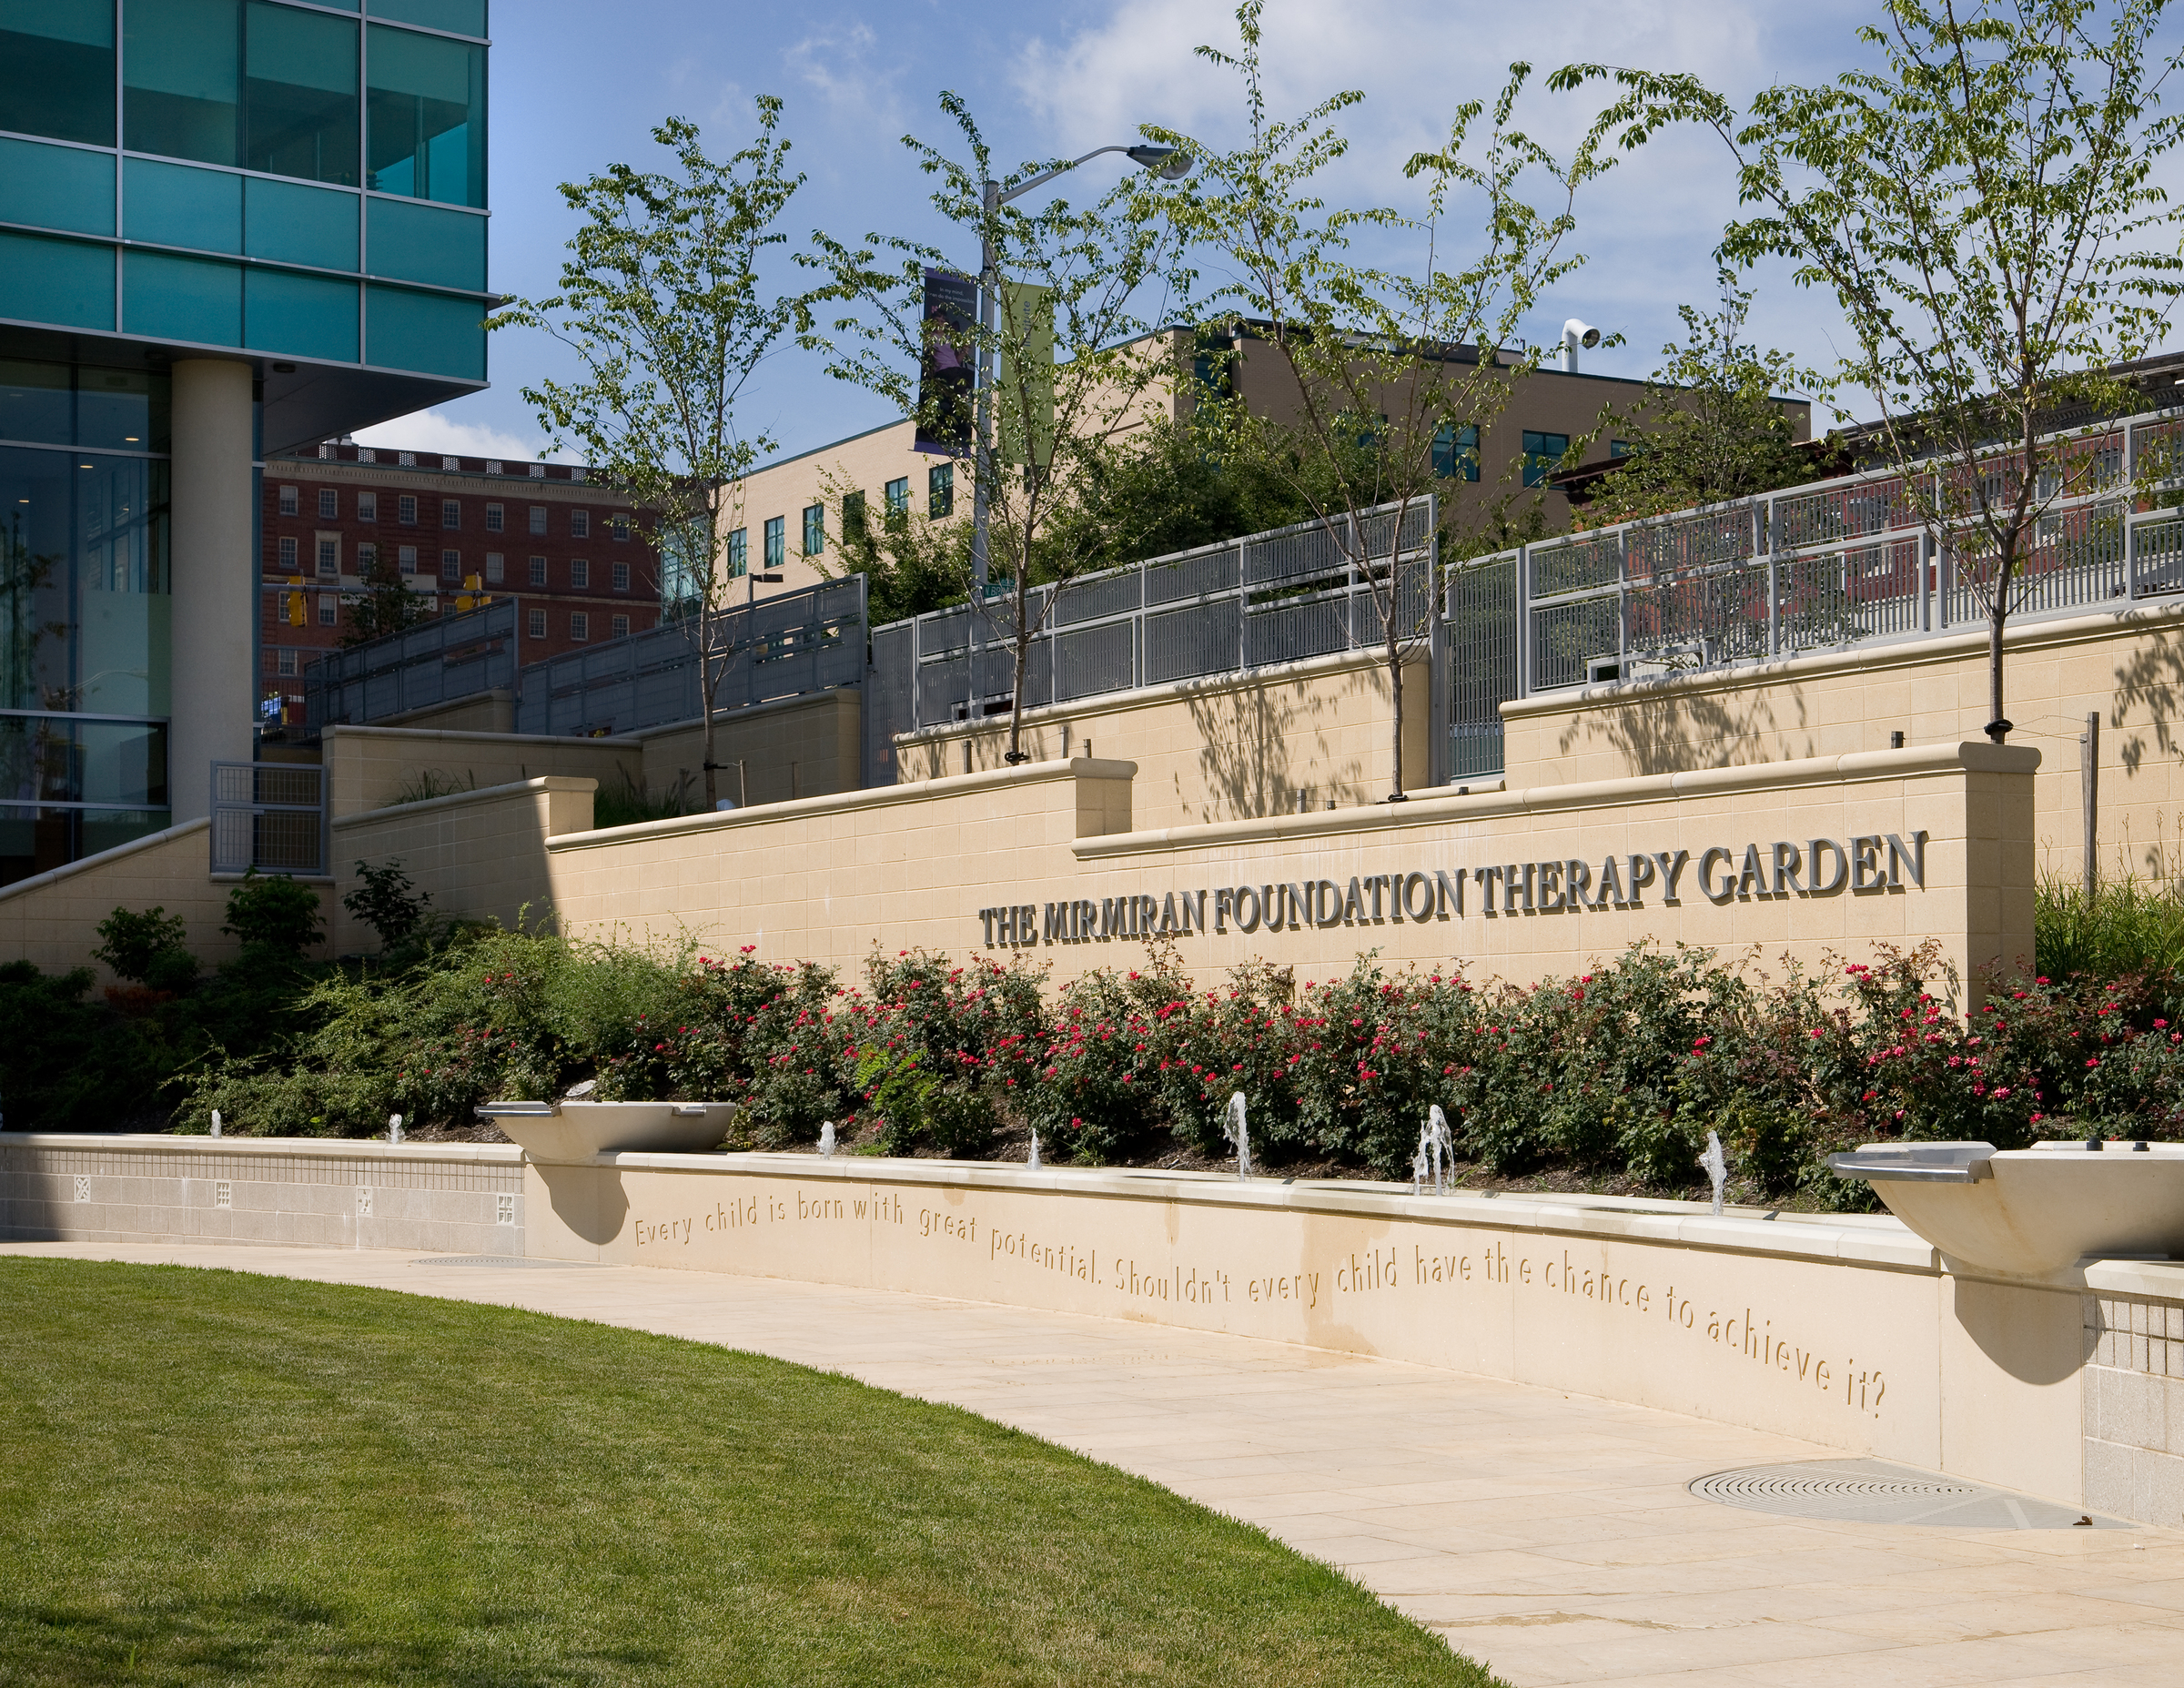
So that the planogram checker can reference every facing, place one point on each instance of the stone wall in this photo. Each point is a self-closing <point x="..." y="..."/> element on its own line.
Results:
<point x="370" y="767"/>
<point x="796" y="747"/>
<point x="52" y="918"/>
<point x="2134" y="1390"/>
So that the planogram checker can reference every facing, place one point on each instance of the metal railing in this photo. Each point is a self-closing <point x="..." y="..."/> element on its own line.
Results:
<point x="789" y="645"/>
<point x="1247" y="604"/>
<point x="270" y="816"/>
<point x="1836" y="563"/>
<point x="437" y="662"/>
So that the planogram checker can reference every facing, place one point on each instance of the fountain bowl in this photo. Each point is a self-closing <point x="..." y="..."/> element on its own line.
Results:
<point x="2030" y="1212"/>
<point x="573" y="1129"/>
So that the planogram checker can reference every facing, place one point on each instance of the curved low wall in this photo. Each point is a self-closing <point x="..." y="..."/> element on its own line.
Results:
<point x="1846" y="1330"/>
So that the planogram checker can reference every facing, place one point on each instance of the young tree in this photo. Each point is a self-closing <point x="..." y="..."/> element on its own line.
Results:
<point x="1984" y="208"/>
<point x="386" y="605"/>
<point x="1076" y="358"/>
<point x="1398" y="373"/>
<point x="1706" y="428"/>
<point x="665" y="307"/>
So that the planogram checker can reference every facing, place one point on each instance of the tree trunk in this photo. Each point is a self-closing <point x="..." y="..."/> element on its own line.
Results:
<point x="705" y="710"/>
<point x="1997" y="723"/>
<point x="1021" y="667"/>
<point x="1395" y="685"/>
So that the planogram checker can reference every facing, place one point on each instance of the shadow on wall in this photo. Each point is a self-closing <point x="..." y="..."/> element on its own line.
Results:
<point x="1257" y="744"/>
<point x="2152" y="680"/>
<point x="589" y="1202"/>
<point x="1657" y="727"/>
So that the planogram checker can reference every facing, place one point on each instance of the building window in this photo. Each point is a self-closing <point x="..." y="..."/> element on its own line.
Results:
<point x="622" y="627"/>
<point x="814" y="530"/>
<point x="1542" y="456"/>
<point x="367" y="507"/>
<point x="451" y="512"/>
<point x="288" y="502"/>
<point x="898" y="497"/>
<point x="1456" y="452"/>
<point x="495" y="569"/>
<point x="538" y="518"/>
<point x="580" y="524"/>
<point x="538" y="571"/>
<point x="940" y="491"/>
<point x="406" y="556"/>
<point x="288" y="553"/>
<point x="739" y="554"/>
<point x="1619" y="447"/>
<point x="538" y="623"/>
<point x="368" y="558"/>
<point x="450" y="565"/>
<point x="494" y="515"/>
<point x="580" y="575"/>
<point x="425" y="105"/>
<point x="619" y="526"/>
<point x="284" y="662"/>
<point x="405" y="510"/>
<point x="329" y="504"/>
<point x="580" y="626"/>
<point x="330" y="554"/>
<point x="622" y="577"/>
<point x="777" y="542"/>
<point x="327" y="601"/>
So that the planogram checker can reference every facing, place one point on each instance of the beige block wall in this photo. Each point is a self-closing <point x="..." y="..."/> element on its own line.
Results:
<point x="480" y="855"/>
<point x="366" y="767"/>
<point x="481" y="711"/>
<point x="797" y="747"/>
<point x="52" y="918"/>
<point x="2128" y="669"/>
<point x="910" y="866"/>
<point x="1231" y="747"/>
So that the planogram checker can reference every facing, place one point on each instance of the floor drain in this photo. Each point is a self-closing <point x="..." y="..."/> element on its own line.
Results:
<point x="1873" y="1491"/>
<point x="498" y="1260"/>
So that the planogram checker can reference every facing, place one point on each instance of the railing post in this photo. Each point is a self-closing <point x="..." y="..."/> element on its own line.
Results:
<point x="1525" y="621"/>
<point x="1763" y="520"/>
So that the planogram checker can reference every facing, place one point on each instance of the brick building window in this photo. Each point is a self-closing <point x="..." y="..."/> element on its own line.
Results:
<point x="451" y="512"/>
<point x="538" y="571"/>
<point x="622" y="577"/>
<point x="538" y="623"/>
<point x="622" y="627"/>
<point x="406" y="556"/>
<point x="287" y="500"/>
<point x="580" y="626"/>
<point x="495" y="569"/>
<point x="580" y="524"/>
<point x="284" y="662"/>
<point x="367" y="507"/>
<point x="538" y="518"/>
<point x="579" y="574"/>
<point x="494" y="516"/>
<point x="898" y="497"/>
<point x="368" y="557"/>
<point x="327" y="601"/>
<point x="329" y="504"/>
<point x="450" y="565"/>
<point x="405" y="510"/>
<point x="940" y="491"/>
<point x="330" y="554"/>
<point x="619" y="526"/>
<point x="288" y="553"/>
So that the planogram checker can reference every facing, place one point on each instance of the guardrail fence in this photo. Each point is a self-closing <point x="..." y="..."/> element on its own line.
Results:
<point x="436" y="661"/>
<point x="270" y="816"/>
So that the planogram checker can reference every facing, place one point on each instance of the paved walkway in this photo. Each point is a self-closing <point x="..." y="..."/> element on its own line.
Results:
<point x="1548" y="1535"/>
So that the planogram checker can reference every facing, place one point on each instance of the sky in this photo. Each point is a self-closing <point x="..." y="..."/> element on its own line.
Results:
<point x="576" y="86"/>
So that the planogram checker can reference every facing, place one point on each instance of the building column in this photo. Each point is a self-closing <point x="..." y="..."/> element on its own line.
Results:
<point x="215" y="580"/>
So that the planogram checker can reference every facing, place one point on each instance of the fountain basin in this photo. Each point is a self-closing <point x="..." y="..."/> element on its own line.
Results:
<point x="2030" y="1212"/>
<point x="577" y="1130"/>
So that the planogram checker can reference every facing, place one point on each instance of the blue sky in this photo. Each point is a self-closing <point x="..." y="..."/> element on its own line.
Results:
<point x="576" y="86"/>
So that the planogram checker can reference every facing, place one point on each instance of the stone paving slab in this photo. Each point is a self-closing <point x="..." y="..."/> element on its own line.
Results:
<point x="1550" y="1535"/>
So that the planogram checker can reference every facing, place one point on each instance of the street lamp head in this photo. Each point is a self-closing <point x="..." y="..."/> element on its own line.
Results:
<point x="1170" y="164"/>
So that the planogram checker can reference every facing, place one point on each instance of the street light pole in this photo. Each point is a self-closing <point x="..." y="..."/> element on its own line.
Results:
<point x="1170" y="164"/>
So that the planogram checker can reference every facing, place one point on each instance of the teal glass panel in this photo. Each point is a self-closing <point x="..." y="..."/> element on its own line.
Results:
<point x="65" y="282"/>
<point x="425" y="331"/>
<point x="304" y="315"/>
<point x="182" y="82"/>
<point x="292" y="224"/>
<point x="52" y="759"/>
<point x="36" y="402"/>
<point x="55" y="187"/>
<point x="417" y="243"/>
<point x="182" y="299"/>
<point x="84" y="584"/>
<point x="126" y="409"/>
<point x="172" y="204"/>
<point x="299" y="94"/>
<point x="427" y="99"/>
<point x="461" y="18"/>
<point x="59" y="76"/>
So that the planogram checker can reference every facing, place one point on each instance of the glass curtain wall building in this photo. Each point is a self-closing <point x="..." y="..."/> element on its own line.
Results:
<point x="226" y="227"/>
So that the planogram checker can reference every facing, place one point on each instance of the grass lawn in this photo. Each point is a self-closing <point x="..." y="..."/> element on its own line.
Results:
<point x="214" y="1476"/>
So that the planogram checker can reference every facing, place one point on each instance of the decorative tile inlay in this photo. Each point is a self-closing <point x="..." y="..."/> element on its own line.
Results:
<point x="83" y="1188"/>
<point x="363" y="1201"/>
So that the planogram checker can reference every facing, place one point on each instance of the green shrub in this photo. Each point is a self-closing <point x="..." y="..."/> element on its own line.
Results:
<point x="274" y="917"/>
<point x="70" y="1064"/>
<point x="150" y="948"/>
<point x="387" y="902"/>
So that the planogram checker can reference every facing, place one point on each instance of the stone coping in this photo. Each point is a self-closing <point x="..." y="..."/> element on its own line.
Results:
<point x="321" y="1148"/>
<point x="1913" y="762"/>
<point x="845" y="803"/>
<point x="103" y="858"/>
<point x="456" y="800"/>
<point x="381" y="730"/>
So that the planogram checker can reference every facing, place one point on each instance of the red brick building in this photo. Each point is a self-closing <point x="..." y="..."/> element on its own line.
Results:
<point x="563" y="547"/>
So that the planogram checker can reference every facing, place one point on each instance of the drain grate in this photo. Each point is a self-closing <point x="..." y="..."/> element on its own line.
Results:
<point x="1873" y="1491"/>
<point x="503" y="1259"/>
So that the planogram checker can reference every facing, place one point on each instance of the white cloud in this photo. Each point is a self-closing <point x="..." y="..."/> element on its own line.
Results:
<point x="435" y="430"/>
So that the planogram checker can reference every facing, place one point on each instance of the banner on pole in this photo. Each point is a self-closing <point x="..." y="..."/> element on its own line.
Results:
<point x="945" y="376"/>
<point x="1027" y="381"/>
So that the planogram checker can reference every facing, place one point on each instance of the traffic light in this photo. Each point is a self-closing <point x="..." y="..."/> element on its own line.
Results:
<point x="294" y="601"/>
